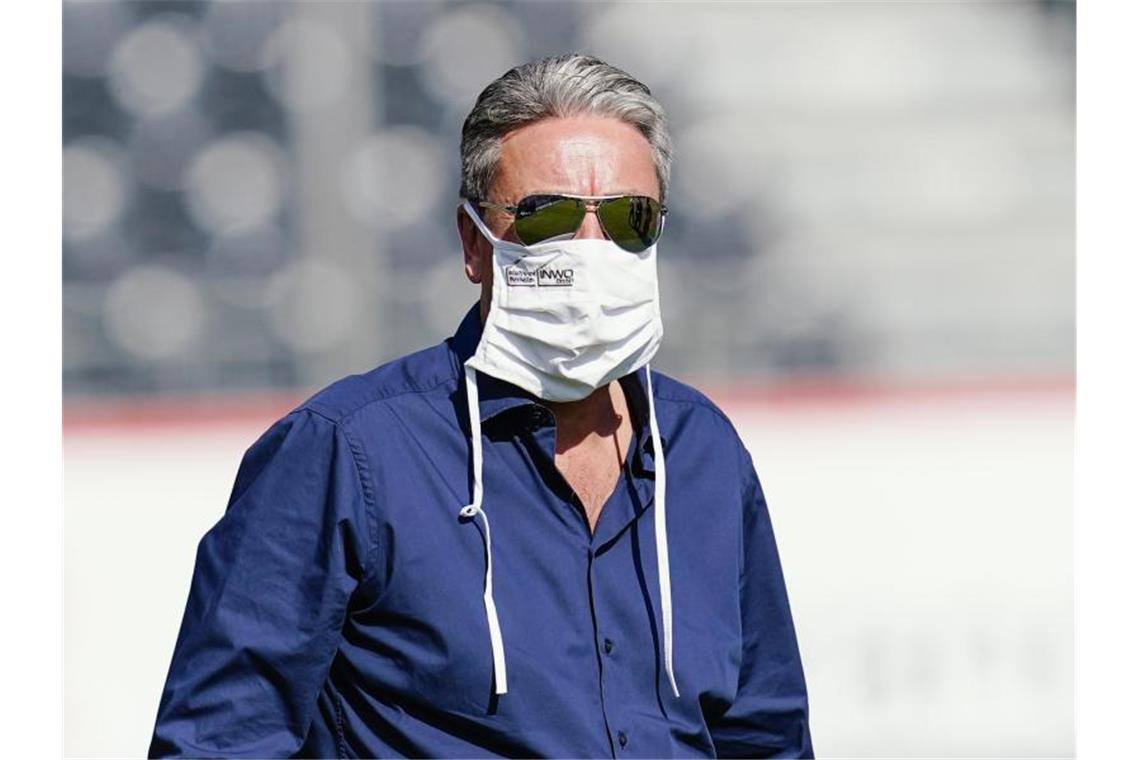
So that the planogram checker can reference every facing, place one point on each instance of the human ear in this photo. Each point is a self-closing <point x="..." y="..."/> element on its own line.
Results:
<point x="476" y="249"/>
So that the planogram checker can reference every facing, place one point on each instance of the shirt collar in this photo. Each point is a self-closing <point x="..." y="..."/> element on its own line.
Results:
<point x="497" y="396"/>
<point x="638" y="401"/>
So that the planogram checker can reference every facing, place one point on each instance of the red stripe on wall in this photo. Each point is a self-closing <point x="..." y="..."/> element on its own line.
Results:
<point x="259" y="409"/>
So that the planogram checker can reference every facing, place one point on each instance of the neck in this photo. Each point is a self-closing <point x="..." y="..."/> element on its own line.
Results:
<point x="600" y="414"/>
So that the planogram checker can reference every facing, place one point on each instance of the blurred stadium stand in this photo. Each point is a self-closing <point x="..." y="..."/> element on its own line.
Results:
<point x="261" y="195"/>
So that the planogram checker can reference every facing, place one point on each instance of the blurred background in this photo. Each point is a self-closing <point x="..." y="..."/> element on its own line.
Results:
<point x="868" y="264"/>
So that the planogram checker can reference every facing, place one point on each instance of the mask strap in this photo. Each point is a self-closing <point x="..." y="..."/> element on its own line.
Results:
<point x="476" y="508"/>
<point x="660" y="536"/>
<point x="471" y="212"/>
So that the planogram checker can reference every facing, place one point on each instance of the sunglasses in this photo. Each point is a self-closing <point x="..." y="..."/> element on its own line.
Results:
<point x="633" y="222"/>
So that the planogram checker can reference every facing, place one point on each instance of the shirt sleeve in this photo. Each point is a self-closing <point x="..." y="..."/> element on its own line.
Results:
<point x="769" y="716"/>
<point x="268" y="598"/>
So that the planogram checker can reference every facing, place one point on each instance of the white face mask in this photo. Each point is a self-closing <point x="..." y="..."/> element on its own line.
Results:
<point x="568" y="316"/>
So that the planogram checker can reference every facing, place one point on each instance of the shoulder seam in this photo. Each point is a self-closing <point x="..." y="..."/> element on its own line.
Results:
<point x="368" y="492"/>
<point x="700" y="400"/>
<point x="369" y="401"/>
<point x="363" y="477"/>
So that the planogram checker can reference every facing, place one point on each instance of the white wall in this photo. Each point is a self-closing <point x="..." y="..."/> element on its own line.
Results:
<point x="927" y="546"/>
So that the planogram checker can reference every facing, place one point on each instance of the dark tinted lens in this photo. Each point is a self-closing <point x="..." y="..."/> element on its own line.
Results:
<point x="633" y="221"/>
<point x="541" y="217"/>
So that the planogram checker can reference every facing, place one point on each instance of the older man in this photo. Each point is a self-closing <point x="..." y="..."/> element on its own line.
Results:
<point x="351" y="602"/>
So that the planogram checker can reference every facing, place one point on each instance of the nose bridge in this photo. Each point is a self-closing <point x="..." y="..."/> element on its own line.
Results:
<point x="591" y="225"/>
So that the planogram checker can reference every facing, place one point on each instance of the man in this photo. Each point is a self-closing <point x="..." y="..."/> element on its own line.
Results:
<point x="351" y="602"/>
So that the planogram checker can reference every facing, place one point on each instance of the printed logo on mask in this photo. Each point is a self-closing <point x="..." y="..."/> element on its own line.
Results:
<point x="555" y="278"/>
<point x="545" y="277"/>
<point x="520" y="277"/>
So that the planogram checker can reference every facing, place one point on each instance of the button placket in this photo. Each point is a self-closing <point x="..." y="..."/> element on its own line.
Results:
<point x="590" y="578"/>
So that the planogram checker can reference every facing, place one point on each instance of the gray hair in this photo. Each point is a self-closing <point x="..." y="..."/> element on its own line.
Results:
<point x="558" y="86"/>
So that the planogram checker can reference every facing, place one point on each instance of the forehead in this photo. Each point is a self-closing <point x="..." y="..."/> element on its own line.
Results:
<point x="576" y="155"/>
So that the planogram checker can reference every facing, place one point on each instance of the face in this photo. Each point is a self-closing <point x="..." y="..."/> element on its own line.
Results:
<point x="579" y="155"/>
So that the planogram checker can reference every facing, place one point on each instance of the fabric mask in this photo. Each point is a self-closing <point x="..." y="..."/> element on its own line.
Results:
<point x="568" y="316"/>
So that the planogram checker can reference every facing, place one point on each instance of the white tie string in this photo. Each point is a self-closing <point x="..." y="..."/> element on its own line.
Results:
<point x="476" y="508"/>
<point x="660" y="536"/>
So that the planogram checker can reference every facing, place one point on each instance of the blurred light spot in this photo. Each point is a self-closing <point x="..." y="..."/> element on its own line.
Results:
<point x="235" y="31"/>
<point x="306" y="65"/>
<point x="652" y="44"/>
<point x="248" y="251"/>
<point x="671" y="279"/>
<point x="393" y="177"/>
<point x="94" y="187"/>
<point x="153" y="312"/>
<point x="161" y="148"/>
<point x="446" y="294"/>
<point x="313" y="305"/>
<point x="466" y="49"/>
<point x="79" y="348"/>
<point x="158" y="66"/>
<point x="90" y="31"/>
<point x="398" y="30"/>
<point x="957" y="178"/>
<point x="421" y="244"/>
<point x="874" y="679"/>
<point x="922" y="665"/>
<point x="236" y="182"/>
<point x="719" y="168"/>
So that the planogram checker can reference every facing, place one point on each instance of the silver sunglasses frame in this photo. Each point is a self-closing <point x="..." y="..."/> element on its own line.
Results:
<point x="593" y="202"/>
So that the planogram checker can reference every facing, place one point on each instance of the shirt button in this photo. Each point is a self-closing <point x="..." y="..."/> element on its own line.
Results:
<point x="622" y="738"/>
<point x="608" y="645"/>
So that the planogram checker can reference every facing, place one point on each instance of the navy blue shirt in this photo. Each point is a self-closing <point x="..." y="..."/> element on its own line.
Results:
<point x="336" y="609"/>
